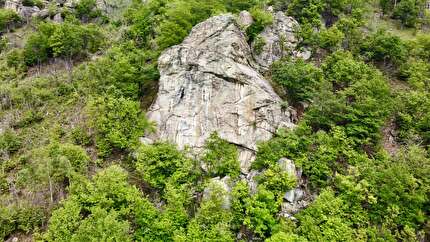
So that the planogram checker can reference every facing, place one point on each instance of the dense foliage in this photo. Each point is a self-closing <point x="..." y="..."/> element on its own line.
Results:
<point x="76" y="163"/>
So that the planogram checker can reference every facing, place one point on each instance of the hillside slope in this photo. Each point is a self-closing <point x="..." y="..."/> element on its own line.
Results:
<point x="223" y="120"/>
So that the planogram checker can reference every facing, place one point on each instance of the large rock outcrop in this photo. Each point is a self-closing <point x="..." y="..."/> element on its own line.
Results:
<point x="210" y="83"/>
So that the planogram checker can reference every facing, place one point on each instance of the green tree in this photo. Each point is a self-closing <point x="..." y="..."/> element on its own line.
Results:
<point x="408" y="11"/>
<point x="118" y="123"/>
<point x="325" y="220"/>
<point x="307" y="12"/>
<point x="54" y="165"/>
<point x="8" y="18"/>
<point x="262" y="19"/>
<point x="101" y="210"/>
<point x="158" y="164"/>
<point x="358" y="99"/>
<point x="221" y="157"/>
<point x="212" y="220"/>
<point x="384" y="47"/>
<point x="300" y="79"/>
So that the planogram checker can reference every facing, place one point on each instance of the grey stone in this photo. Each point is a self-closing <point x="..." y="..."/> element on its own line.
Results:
<point x="210" y="83"/>
<point x="27" y="12"/>
<point x="12" y="5"/>
<point x="289" y="196"/>
<point x="44" y="13"/>
<point x="304" y="54"/>
<point x="245" y="19"/>
<point x="279" y="40"/>
<point x="288" y="166"/>
<point x="58" y="18"/>
<point x="146" y="141"/>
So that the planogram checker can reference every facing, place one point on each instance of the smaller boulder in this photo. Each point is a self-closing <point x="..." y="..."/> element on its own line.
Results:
<point x="146" y="141"/>
<point x="27" y="12"/>
<point x="44" y="13"/>
<point x="245" y="19"/>
<point x="304" y="54"/>
<point x="279" y="40"/>
<point x="58" y="18"/>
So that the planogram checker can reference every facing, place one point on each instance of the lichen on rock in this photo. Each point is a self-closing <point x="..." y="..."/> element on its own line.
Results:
<point x="210" y="83"/>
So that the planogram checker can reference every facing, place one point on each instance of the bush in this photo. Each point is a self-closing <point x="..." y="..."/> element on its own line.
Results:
<point x="384" y="47"/>
<point x="118" y="123"/>
<point x="331" y="39"/>
<point x="110" y="206"/>
<point x="67" y="40"/>
<point x="412" y="117"/>
<point x="126" y="69"/>
<point x="20" y="218"/>
<point x="417" y="74"/>
<point x="86" y="10"/>
<point x="408" y="11"/>
<point x="212" y="220"/>
<point x="261" y="210"/>
<point x="15" y="59"/>
<point x="262" y="19"/>
<point x="317" y="226"/>
<point x="300" y="79"/>
<point x="360" y="101"/>
<point x="180" y="17"/>
<point x="221" y="157"/>
<point x="9" y="142"/>
<point x="306" y="12"/>
<point x="8" y="18"/>
<point x="162" y="163"/>
<point x="277" y="180"/>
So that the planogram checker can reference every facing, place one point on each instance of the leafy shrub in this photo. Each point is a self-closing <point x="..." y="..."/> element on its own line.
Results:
<point x="262" y="19"/>
<point x="317" y="226"/>
<point x="8" y="17"/>
<point x="159" y="163"/>
<point x="331" y="39"/>
<point x="261" y="212"/>
<point x="80" y="136"/>
<point x="212" y="220"/>
<point x="20" y="218"/>
<point x="87" y="9"/>
<point x="259" y="45"/>
<point x="360" y="101"/>
<point x="53" y="166"/>
<point x="401" y="194"/>
<point x="238" y="5"/>
<point x="221" y="157"/>
<point x="28" y="118"/>
<point x="412" y="116"/>
<point x="276" y="180"/>
<point x="66" y="40"/>
<point x="9" y="142"/>
<point x="15" y="59"/>
<point x="31" y="3"/>
<point x="384" y="47"/>
<point x="306" y="12"/>
<point x="110" y="205"/>
<point x="300" y="79"/>
<point x="408" y="11"/>
<point x="417" y="74"/>
<point x="126" y="69"/>
<point x="118" y="123"/>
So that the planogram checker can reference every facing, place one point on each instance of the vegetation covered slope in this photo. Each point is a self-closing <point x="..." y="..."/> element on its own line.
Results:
<point x="73" y="95"/>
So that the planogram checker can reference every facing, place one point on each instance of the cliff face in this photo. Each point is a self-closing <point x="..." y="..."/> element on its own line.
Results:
<point x="210" y="83"/>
